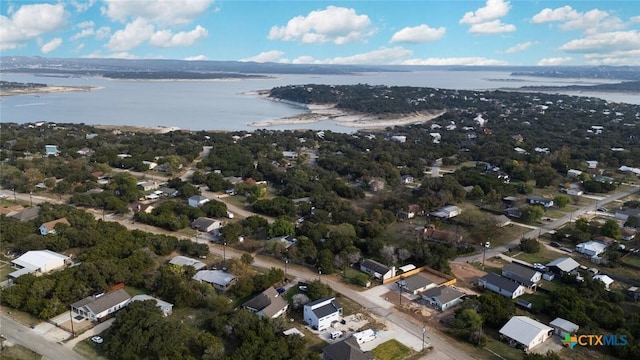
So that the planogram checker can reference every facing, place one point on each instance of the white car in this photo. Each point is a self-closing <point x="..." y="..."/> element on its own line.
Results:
<point x="97" y="339"/>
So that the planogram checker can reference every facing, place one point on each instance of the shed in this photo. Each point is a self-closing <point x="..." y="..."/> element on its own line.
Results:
<point x="562" y="327"/>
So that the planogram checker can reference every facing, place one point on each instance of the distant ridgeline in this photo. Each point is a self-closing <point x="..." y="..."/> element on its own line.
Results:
<point x="627" y="86"/>
<point x="601" y="72"/>
<point x="182" y="75"/>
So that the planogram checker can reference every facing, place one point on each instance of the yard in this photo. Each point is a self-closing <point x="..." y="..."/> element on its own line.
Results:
<point x="5" y="270"/>
<point x="88" y="350"/>
<point x="391" y="350"/>
<point x="19" y="352"/>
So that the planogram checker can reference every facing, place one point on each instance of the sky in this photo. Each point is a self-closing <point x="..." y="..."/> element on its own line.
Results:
<point x="373" y="32"/>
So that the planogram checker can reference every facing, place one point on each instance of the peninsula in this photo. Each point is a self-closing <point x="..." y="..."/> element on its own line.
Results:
<point x="10" y="88"/>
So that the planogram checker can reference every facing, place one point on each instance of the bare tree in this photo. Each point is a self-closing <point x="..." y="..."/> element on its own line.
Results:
<point x="354" y="257"/>
<point x="403" y="254"/>
<point x="298" y="300"/>
<point x="388" y="253"/>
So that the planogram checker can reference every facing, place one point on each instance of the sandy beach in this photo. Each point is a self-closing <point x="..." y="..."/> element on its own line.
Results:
<point x="350" y="119"/>
<point x="142" y="129"/>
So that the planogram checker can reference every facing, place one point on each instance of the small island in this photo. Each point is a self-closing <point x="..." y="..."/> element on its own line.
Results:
<point x="11" y="88"/>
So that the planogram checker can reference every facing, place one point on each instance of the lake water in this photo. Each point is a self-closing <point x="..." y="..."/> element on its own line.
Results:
<point x="222" y="105"/>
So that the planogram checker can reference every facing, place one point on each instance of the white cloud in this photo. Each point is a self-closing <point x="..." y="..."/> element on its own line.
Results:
<point x="85" y="24"/>
<point x="196" y="58"/>
<point x="560" y="14"/>
<point x="492" y="27"/>
<point x="383" y="55"/>
<point x="174" y="12"/>
<point x="592" y="21"/>
<point x="475" y="61"/>
<point x="121" y="55"/>
<point x="82" y="5"/>
<point x="51" y="45"/>
<point x="267" y="56"/>
<point x="611" y="41"/>
<point x="520" y="47"/>
<point x="29" y="22"/>
<point x="418" y="34"/>
<point x="79" y="47"/>
<point x="554" y="61"/>
<point x="103" y="32"/>
<point x="614" y="58"/>
<point x="486" y="20"/>
<point x="133" y="35"/>
<point x="140" y="31"/>
<point x="334" y="24"/>
<point x="165" y="38"/>
<point x="493" y="9"/>
<point x="83" y="33"/>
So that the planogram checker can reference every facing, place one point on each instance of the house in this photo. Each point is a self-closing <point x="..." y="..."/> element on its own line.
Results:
<point x="197" y="200"/>
<point x="591" y="248"/>
<point x="220" y="280"/>
<point x="606" y="280"/>
<point x="28" y="214"/>
<point x="165" y="307"/>
<point x="521" y="274"/>
<point x="149" y="164"/>
<point x="147" y="185"/>
<point x="267" y="304"/>
<point x="562" y="327"/>
<point x="319" y="314"/>
<point x="234" y="180"/>
<point x="501" y="285"/>
<point x="574" y="173"/>
<point x="407" y="179"/>
<point x="38" y="262"/>
<point x="169" y="192"/>
<point x="628" y="233"/>
<point x="430" y="233"/>
<point x="377" y="270"/>
<point x="591" y="164"/>
<point x="533" y="200"/>
<point x="410" y="213"/>
<point x="205" y="224"/>
<point x="415" y="284"/>
<point x="627" y="213"/>
<point x="102" y="306"/>
<point x="347" y="349"/>
<point x="51" y="150"/>
<point x="501" y="221"/>
<point x="187" y="261"/>
<point x="525" y="332"/>
<point x="447" y="212"/>
<point x="443" y="297"/>
<point x="563" y="265"/>
<point x="291" y="155"/>
<point x="286" y="241"/>
<point x="633" y="293"/>
<point x="50" y="226"/>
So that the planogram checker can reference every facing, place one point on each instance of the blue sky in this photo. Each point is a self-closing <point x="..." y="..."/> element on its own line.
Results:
<point x="490" y="32"/>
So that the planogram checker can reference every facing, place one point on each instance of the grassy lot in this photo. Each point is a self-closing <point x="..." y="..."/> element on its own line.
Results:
<point x="533" y="258"/>
<point x="5" y="270"/>
<point x="19" y="316"/>
<point x="496" y="349"/>
<point x="391" y="350"/>
<point x="88" y="350"/>
<point x="631" y="260"/>
<point x="19" y="352"/>
<point x="134" y="291"/>
<point x="506" y="234"/>
<point x="537" y="299"/>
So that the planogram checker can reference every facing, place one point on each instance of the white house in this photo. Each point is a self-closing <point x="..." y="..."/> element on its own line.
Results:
<point x="268" y="304"/>
<point x="220" y="280"/>
<point x="591" y="248"/>
<point x="415" y="284"/>
<point x="197" y="200"/>
<point x="38" y="261"/>
<point x="377" y="270"/>
<point x="187" y="261"/>
<point x="525" y="332"/>
<point x="562" y="327"/>
<point x="501" y="285"/>
<point x="50" y="150"/>
<point x="447" y="212"/>
<point x="321" y="313"/>
<point x="50" y="226"/>
<point x="165" y="307"/>
<point x="574" y="173"/>
<point x="563" y="265"/>
<point x="443" y="297"/>
<point x="533" y="200"/>
<point x="102" y="306"/>
<point x="606" y="280"/>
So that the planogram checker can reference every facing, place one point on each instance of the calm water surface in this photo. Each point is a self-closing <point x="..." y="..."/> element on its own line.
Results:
<point x="222" y="105"/>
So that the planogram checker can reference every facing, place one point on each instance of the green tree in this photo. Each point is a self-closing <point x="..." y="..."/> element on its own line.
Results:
<point x="530" y="246"/>
<point x="532" y="213"/>
<point x="611" y="229"/>
<point x="561" y="200"/>
<point x="282" y="227"/>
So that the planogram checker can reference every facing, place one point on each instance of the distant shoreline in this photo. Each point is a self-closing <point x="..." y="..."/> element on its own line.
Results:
<point x="49" y="89"/>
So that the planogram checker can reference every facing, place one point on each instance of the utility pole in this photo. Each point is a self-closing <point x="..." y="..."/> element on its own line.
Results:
<point x="319" y="274"/>
<point x="15" y="198"/>
<point x="286" y="262"/>
<point x="423" y="331"/>
<point x="224" y="252"/>
<point x="30" y="198"/>
<point x="73" y="333"/>
<point x="484" y="252"/>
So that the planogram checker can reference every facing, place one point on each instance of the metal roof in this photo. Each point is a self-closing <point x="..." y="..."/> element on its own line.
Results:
<point x="565" y="325"/>
<point x="524" y="329"/>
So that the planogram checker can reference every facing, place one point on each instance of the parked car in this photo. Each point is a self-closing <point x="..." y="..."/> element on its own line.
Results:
<point x="97" y="339"/>
<point x="555" y="244"/>
<point x="281" y="290"/>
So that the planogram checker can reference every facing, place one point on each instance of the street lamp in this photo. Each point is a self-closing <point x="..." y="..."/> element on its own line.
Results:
<point x="224" y="252"/>
<point x="319" y="273"/>
<point x="484" y="252"/>
<point x="423" y="331"/>
<point x="30" y="198"/>
<point x="286" y="262"/>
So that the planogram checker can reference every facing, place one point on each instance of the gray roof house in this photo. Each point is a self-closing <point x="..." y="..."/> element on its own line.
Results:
<point x="377" y="270"/>
<point x="187" y="261"/>
<point x="206" y="224"/>
<point x="102" y="306"/>
<point x="268" y="304"/>
<point x="501" y="285"/>
<point x="415" y="284"/>
<point x="347" y="349"/>
<point x="221" y="280"/>
<point x="561" y="327"/>
<point x="525" y="332"/>
<point x="522" y="274"/>
<point x="443" y="297"/>
<point x="197" y="200"/>
<point x="321" y="313"/>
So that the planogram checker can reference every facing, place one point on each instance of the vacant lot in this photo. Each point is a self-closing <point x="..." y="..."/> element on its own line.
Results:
<point x="391" y="350"/>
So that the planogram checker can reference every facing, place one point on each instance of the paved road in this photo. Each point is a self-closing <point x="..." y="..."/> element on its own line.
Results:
<point x="25" y="336"/>
<point x="550" y="226"/>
